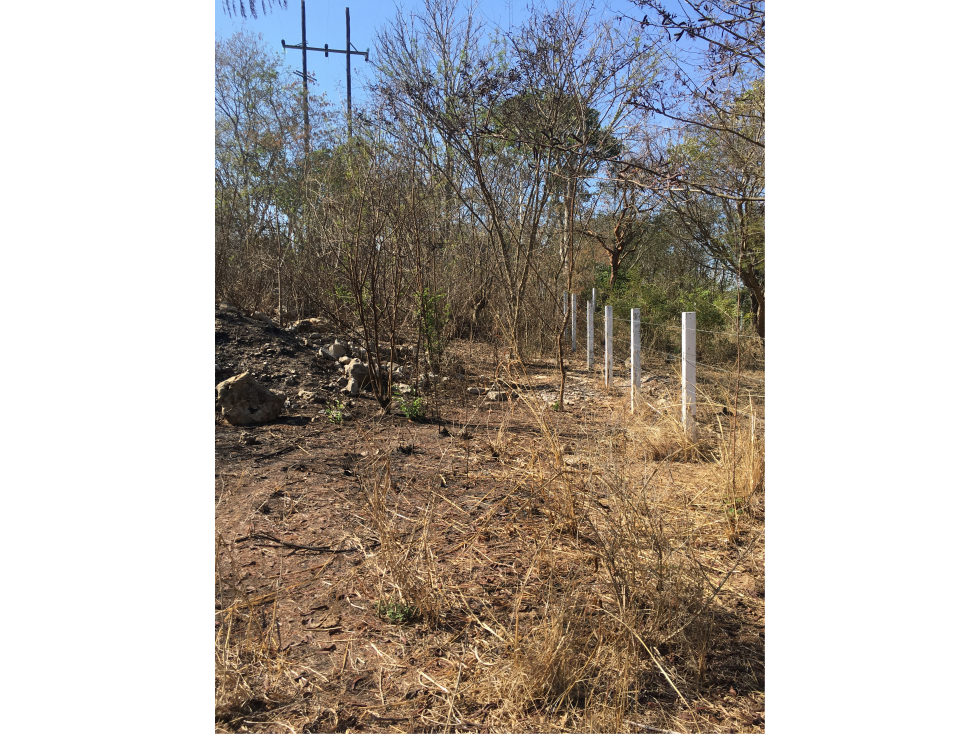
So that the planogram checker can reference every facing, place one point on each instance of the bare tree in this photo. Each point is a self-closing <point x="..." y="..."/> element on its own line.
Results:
<point x="708" y="168"/>
<point x="442" y="86"/>
<point x="619" y="231"/>
<point x="716" y="49"/>
<point x="711" y="52"/>
<point x="513" y="126"/>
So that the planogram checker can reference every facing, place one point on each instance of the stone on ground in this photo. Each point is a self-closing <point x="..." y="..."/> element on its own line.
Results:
<point x="337" y="349"/>
<point x="356" y="372"/>
<point x="310" y="397"/>
<point x="245" y="401"/>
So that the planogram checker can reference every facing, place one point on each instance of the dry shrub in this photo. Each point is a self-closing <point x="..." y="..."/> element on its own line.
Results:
<point x="739" y="473"/>
<point x="653" y="434"/>
<point x="620" y="589"/>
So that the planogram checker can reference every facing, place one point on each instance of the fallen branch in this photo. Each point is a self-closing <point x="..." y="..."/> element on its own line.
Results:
<point x="313" y="548"/>
<point x="286" y="450"/>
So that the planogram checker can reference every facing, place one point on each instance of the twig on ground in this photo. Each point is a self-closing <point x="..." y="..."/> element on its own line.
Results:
<point x="314" y="548"/>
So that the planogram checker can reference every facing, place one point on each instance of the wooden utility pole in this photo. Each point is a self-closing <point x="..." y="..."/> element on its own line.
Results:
<point x="349" y="111"/>
<point x="305" y="86"/>
<point x="326" y="50"/>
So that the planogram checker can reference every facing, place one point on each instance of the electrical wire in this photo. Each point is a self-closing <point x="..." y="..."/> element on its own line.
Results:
<point x="680" y="328"/>
<point x="625" y="345"/>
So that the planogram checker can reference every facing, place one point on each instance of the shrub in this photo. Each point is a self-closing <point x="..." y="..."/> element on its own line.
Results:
<point x="413" y="408"/>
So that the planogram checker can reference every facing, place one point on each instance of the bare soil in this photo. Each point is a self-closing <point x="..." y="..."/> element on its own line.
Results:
<point x="311" y="634"/>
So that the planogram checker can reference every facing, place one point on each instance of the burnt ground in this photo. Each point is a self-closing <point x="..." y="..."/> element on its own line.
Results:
<point x="312" y="633"/>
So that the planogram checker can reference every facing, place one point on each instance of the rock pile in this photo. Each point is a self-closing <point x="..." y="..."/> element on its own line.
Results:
<point x="305" y="358"/>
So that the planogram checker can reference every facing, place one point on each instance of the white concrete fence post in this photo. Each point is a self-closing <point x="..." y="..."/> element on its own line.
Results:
<point x="574" y="322"/>
<point x="591" y="334"/>
<point x="689" y="377"/>
<point x="635" y="359"/>
<point x="608" y="347"/>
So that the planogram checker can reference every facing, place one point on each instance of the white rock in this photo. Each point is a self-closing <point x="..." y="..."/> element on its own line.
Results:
<point x="337" y="349"/>
<point x="357" y="372"/>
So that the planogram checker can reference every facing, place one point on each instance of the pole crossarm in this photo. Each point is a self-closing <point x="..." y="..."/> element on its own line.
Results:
<point x="304" y="47"/>
<point x="327" y="50"/>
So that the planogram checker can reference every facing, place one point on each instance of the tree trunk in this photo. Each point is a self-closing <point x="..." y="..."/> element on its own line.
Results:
<point x="757" y="292"/>
<point x="614" y="263"/>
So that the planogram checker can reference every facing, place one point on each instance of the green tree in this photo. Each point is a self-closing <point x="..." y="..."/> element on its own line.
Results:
<point x="257" y="172"/>
<point x="725" y="231"/>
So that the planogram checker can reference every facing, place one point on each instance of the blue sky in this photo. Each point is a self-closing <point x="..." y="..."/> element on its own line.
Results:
<point x="325" y="23"/>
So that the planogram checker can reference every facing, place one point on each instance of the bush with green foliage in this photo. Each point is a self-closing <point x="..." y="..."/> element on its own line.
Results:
<point x="662" y="305"/>
<point x="432" y="314"/>
<point x="413" y="408"/>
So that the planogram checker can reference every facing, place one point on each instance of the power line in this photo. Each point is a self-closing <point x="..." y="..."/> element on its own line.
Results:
<point x="305" y="75"/>
<point x="680" y="328"/>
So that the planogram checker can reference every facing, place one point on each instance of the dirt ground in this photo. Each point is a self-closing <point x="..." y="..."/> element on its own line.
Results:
<point x="313" y="630"/>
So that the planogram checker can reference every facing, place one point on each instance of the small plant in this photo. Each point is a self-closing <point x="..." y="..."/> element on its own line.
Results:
<point x="413" y="408"/>
<point x="735" y="509"/>
<point x="396" y="612"/>
<point x="334" y="412"/>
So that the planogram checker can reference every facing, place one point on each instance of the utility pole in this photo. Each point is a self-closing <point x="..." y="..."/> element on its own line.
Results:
<point x="326" y="50"/>
<point x="349" y="111"/>
<point x="305" y="86"/>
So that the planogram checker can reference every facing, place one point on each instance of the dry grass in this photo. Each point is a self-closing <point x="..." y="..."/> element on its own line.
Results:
<point x="406" y="569"/>
<point x="252" y="679"/>
<point x="603" y="583"/>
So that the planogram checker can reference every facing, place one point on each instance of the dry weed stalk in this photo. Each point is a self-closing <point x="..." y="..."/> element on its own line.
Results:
<point x="740" y="469"/>
<point x="408" y="579"/>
